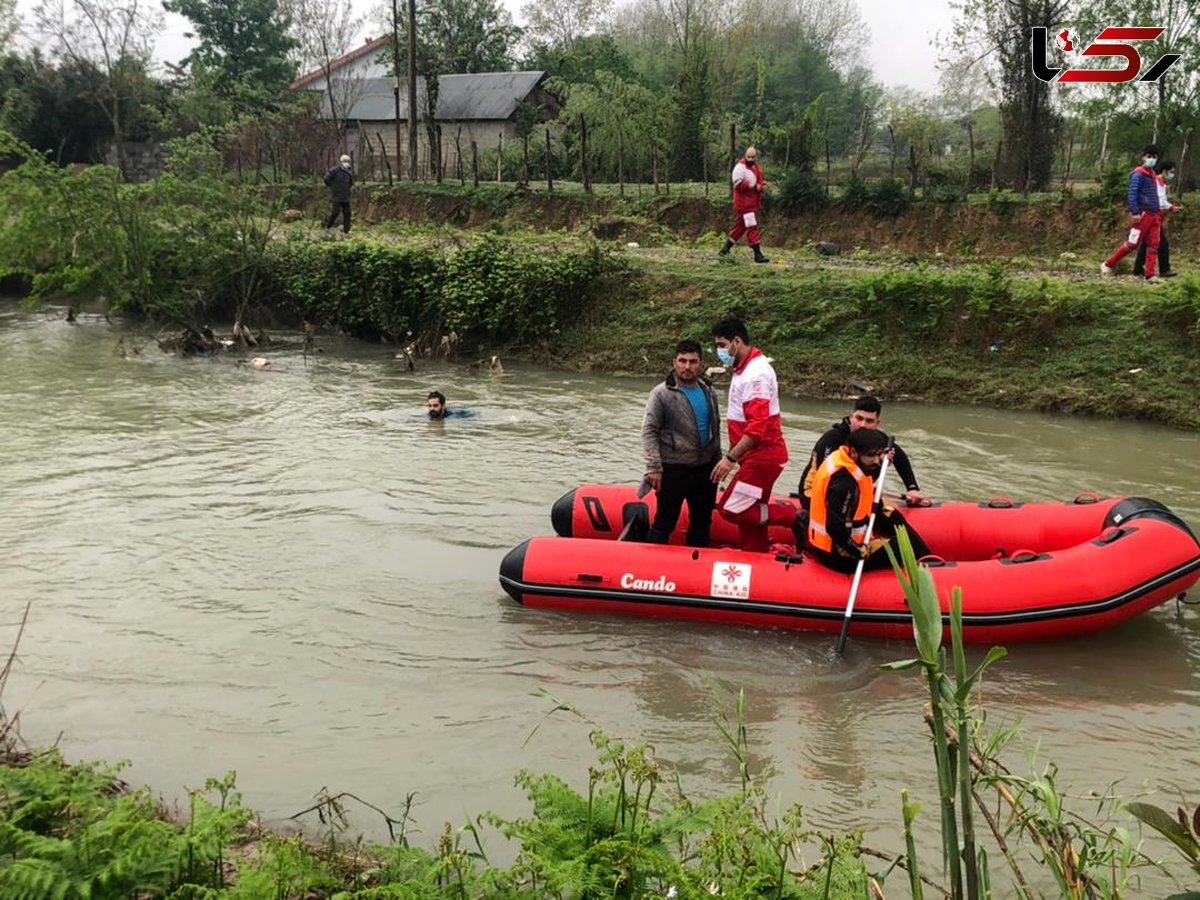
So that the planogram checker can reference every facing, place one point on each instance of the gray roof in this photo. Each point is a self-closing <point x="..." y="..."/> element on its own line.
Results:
<point x="487" y="95"/>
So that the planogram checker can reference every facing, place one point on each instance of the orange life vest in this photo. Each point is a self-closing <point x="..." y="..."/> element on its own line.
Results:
<point x="818" y="514"/>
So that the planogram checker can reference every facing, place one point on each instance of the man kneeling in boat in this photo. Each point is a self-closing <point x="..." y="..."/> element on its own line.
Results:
<point x="843" y="490"/>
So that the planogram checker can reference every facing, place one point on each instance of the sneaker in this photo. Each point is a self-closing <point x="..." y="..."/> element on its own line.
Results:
<point x="1151" y="279"/>
<point x="1167" y="274"/>
<point x="1106" y="269"/>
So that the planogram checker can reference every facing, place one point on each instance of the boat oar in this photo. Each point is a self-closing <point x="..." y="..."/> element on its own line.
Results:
<point x="858" y="570"/>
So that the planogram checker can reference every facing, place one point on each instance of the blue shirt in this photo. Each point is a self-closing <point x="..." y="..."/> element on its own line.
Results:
<point x="699" y="401"/>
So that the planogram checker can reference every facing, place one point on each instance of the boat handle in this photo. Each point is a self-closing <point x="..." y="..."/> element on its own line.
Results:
<point x="1000" y="503"/>
<point x="1110" y="534"/>
<point x="932" y="560"/>
<point x="1087" y="497"/>
<point x="1023" y="556"/>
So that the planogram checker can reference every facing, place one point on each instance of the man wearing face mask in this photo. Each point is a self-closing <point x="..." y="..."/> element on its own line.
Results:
<point x="1145" y="216"/>
<point x="756" y="444"/>
<point x="340" y="179"/>
<point x="748" y="187"/>
<point x="843" y="493"/>
<point x="1165" y="175"/>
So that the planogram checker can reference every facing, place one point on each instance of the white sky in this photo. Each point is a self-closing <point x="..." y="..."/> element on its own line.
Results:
<point x="899" y="51"/>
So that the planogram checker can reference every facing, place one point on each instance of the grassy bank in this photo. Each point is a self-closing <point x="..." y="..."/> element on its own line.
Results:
<point x="984" y="335"/>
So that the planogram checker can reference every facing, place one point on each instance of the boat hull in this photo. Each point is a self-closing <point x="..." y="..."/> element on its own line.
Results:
<point x="1067" y="569"/>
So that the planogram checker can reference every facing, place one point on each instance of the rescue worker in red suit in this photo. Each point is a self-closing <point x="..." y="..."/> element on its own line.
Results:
<point x="748" y="187"/>
<point x="1145" y="216"/>
<point x="756" y="444"/>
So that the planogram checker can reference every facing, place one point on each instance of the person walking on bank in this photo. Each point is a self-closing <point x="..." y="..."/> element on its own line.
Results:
<point x="1165" y="175"/>
<point x="748" y="187"/>
<point x="340" y="179"/>
<point x="681" y="442"/>
<point x="756" y="442"/>
<point x="1145" y="216"/>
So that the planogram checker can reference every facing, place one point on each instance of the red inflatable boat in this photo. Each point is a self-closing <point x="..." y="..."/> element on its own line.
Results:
<point x="1029" y="571"/>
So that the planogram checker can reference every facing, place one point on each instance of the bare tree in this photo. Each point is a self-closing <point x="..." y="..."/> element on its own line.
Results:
<point x="563" y="22"/>
<point x="326" y="30"/>
<point x="115" y="38"/>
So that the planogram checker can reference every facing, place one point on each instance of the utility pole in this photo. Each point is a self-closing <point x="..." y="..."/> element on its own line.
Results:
<point x="412" y="90"/>
<point x="396" y="71"/>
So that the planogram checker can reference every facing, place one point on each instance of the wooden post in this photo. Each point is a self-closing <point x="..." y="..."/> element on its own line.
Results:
<point x="383" y="153"/>
<point x="475" y="162"/>
<point x="996" y="162"/>
<point x="549" y="164"/>
<point x="704" y="164"/>
<point x="733" y="154"/>
<point x="458" y="164"/>
<point x="583" y="152"/>
<point x="412" y="90"/>
<point x="499" y="157"/>
<point x="1183" y="155"/>
<point x="654" y="166"/>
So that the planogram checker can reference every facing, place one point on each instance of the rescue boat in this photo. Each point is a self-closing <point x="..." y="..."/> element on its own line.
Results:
<point x="1028" y="571"/>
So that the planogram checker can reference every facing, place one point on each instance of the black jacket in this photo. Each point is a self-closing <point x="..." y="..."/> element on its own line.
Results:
<point x="835" y="437"/>
<point x="339" y="181"/>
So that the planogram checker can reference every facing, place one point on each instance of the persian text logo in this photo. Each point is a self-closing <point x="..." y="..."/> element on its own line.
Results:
<point x="1110" y="42"/>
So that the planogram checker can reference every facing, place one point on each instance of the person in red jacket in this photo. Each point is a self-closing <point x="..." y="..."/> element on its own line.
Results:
<point x="748" y="187"/>
<point x="756" y="444"/>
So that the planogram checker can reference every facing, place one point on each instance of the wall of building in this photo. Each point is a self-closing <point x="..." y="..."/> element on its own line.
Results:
<point x="485" y="134"/>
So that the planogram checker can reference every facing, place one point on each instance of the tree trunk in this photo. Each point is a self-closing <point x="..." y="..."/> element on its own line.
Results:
<point x="1183" y="155"/>
<point x="499" y="157"/>
<point x="412" y="90"/>
<point x="525" y="158"/>
<point x="549" y="164"/>
<point x="970" y="159"/>
<point x="621" y="162"/>
<point x="383" y="154"/>
<point x="733" y="154"/>
<point x="892" y="140"/>
<point x="458" y="164"/>
<point x="475" y="162"/>
<point x="396" y="72"/>
<point x="996" y="162"/>
<point x="583" y="153"/>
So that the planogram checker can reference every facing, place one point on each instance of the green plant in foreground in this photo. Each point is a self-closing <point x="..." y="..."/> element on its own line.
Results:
<point x="1084" y="859"/>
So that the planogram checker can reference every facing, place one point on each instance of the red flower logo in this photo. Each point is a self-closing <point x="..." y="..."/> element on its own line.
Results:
<point x="732" y="572"/>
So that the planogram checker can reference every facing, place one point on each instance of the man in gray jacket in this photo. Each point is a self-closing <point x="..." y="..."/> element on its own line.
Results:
<point x="681" y="441"/>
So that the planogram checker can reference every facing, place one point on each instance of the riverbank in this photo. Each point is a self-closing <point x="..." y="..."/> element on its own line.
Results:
<point x="1026" y="335"/>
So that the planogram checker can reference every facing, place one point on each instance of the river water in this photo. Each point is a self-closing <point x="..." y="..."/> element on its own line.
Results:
<point x="293" y="574"/>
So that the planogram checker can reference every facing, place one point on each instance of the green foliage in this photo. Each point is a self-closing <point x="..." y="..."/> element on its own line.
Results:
<point x="491" y="289"/>
<point x="65" y="833"/>
<point x="799" y="193"/>
<point x="889" y="198"/>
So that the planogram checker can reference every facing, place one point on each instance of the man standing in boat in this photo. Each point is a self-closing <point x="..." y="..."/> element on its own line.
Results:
<point x="681" y="442"/>
<point x="843" y="492"/>
<point x="756" y="441"/>
<point x="866" y="414"/>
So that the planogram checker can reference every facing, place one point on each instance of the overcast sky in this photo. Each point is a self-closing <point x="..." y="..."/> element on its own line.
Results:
<point x="899" y="50"/>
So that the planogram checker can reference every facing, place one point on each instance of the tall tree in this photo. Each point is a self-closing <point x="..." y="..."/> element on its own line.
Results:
<point x="468" y="35"/>
<point x="245" y="43"/>
<point x="10" y="23"/>
<point x="561" y="23"/>
<point x="998" y="32"/>
<point x="325" y="30"/>
<point x="114" y="39"/>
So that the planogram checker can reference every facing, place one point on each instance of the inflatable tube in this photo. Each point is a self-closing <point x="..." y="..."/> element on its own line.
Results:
<point x="1034" y="571"/>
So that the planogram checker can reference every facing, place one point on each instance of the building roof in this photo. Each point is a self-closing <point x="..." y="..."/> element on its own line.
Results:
<point x="486" y="95"/>
<point x="311" y="79"/>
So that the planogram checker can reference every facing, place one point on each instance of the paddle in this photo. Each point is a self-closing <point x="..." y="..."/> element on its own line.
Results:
<point x="858" y="570"/>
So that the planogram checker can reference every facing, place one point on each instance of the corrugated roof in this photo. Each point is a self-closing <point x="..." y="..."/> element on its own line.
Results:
<point x="486" y="95"/>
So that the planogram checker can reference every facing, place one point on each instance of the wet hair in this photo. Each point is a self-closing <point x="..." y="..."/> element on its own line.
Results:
<point x="438" y="396"/>
<point x="1151" y="150"/>
<point x="868" y="404"/>
<point x="689" y="347"/>
<point x="730" y="329"/>
<point x="1163" y="166"/>
<point x="866" y="440"/>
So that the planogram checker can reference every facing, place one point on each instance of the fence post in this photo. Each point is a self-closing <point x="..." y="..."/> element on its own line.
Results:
<point x="549" y="162"/>
<point x="499" y="157"/>
<point x="475" y="162"/>
<point x="733" y="154"/>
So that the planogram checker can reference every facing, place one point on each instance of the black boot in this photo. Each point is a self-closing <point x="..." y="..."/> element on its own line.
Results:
<point x="758" y="256"/>
<point x="725" y="250"/>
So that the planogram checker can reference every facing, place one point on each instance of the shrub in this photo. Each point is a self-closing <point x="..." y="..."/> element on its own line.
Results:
<point x="889" y="198"/>
<point x="799" y="193"/>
